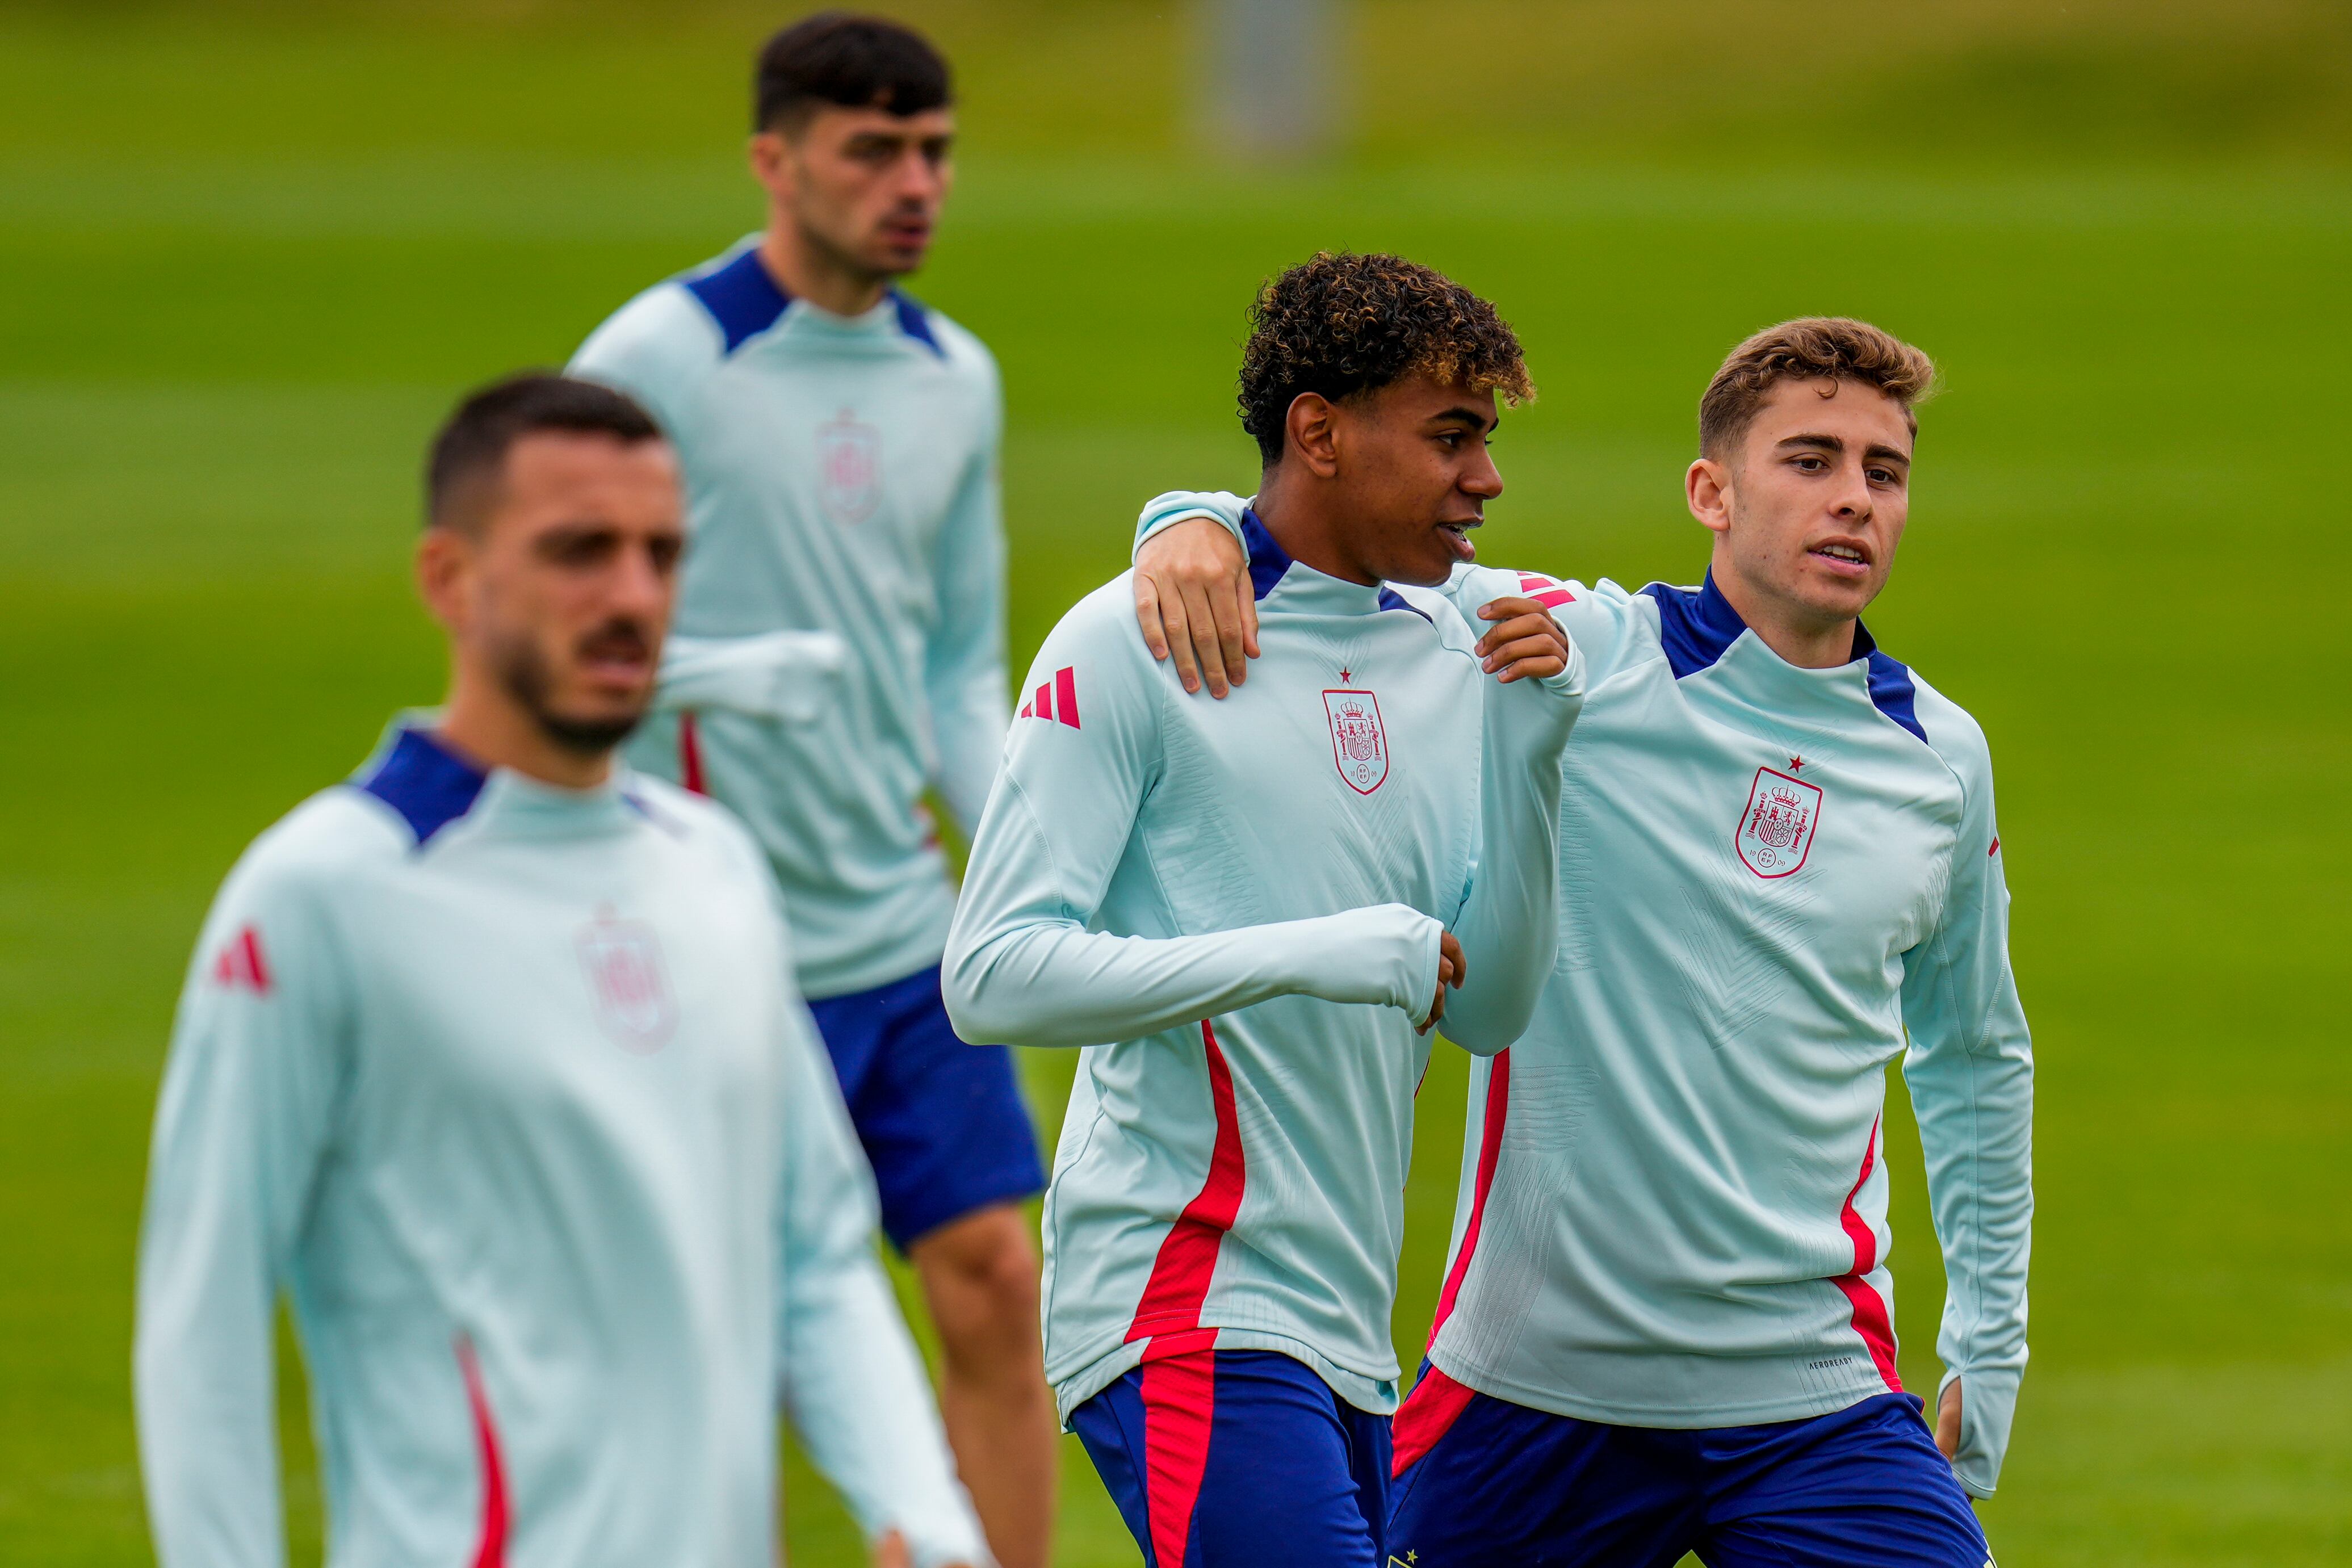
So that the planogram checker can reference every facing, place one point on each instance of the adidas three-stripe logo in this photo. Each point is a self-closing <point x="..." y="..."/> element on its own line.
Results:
<point x="1055" y="700"/>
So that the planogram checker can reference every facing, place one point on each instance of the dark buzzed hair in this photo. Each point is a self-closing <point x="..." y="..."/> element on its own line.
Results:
<point x="1811" y="348"/>
<point x="470" y="451"/>
<point x="1341" y="324"/>
<point x="856" y="62"/>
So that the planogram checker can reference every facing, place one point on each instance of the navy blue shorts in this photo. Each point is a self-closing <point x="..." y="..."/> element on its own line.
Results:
<point x="1239" y="1459"/>
<point x="942" y="1122"/>
<point x="1483" y="1480"/>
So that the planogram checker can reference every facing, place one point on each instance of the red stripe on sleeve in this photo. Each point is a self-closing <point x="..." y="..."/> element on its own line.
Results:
<point x="1065" y="696"/>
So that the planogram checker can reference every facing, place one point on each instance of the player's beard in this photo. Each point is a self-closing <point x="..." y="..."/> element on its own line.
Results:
<point x="524" y="671"/>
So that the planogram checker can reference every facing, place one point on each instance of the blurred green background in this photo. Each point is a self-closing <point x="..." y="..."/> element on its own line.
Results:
<point x="248" y="254"/>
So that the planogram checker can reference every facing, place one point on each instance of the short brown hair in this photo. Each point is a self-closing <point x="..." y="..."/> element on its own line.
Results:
<point x="856" y="62"/>
<point x="1812" y="348"/>
<point x="469" y="452"/>
<point x="1342" y="323"/>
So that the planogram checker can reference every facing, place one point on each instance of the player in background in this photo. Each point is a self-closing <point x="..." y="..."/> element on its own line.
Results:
<point x="840" y="447"/>
<point x="490" y="1059"/>
<point x="1249" y="914"/>
<point x="1666" y="1323"/>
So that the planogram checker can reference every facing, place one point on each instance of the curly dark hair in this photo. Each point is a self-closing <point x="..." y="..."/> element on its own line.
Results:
<point x="1342" y="323"/>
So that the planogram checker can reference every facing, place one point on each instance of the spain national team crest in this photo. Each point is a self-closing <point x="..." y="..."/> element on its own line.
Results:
<point x="1358" y="745"/>
<point x="849" y="469"/>
<point x="628" y="982"/>
<point x="1776" y="833"/>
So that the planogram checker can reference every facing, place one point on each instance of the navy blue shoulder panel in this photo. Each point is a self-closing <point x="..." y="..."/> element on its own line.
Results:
<point x="1694" y="627"/>
<point x="741" y="297"/>
<point x="1392" y="600"/>
<point x="1268" y="560"/>
<point x="430" y="785"/>
<point x="916" y="322"/>
<point x="1891" y="690"/>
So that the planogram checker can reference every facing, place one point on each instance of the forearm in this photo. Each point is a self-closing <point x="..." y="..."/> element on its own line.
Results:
<point x="787" y="676"/>
<point x="1053" y="982"/>
<point x="857" y="1394"/>
<point x="1975" y="1110"/>
<point x="1509" y="924"/>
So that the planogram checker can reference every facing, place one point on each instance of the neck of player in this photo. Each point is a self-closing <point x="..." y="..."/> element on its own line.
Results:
<point x="1800" y="634"/>
<point x="1299" y="511"/>
<point x="805" y="267"/>
<point x="490" y="729"/>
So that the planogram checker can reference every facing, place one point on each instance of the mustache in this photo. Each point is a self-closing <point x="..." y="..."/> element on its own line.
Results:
<point x="623" y="637"/>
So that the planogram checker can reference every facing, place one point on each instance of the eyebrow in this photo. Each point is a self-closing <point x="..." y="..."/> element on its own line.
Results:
<point x="1876" y="449"/>
<point x="1467" y="416"/>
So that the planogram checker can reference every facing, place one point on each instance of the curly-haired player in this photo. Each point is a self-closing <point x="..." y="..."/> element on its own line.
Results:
<point x="1253" y="910"/>
<point x="1666" y="1323"/>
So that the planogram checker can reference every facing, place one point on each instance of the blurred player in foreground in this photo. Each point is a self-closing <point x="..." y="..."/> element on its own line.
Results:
<point x="1265" y="904"/>
<point x="840" y="447"/>
<point x="491" y="1059"/>
<point x="1666" y="1323"/>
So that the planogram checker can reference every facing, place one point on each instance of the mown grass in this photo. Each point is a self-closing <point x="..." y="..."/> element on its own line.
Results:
<point x="248" y="260"/>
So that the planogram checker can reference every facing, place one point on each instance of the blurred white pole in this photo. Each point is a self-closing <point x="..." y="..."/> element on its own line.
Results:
<point x="1273" y="73"/>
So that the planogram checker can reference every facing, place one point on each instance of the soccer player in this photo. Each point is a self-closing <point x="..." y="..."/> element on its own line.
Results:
<point x="840" y="448"/>
<point x="1667" y="1319"/>
<point x="490" y="1059"/>
<point x="1250" y="912"/>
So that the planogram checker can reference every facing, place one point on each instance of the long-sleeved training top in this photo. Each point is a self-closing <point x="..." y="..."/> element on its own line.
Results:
<point x="841" y="477"/>
<point x="1235" y="908"/>
<point x="508" y="1088"/>
<point x="1673" y="1205"/>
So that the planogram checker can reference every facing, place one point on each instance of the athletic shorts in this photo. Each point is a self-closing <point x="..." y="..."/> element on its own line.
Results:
<point x="942" y="1122"/>
<point x="1240" y="1459"/>
<point x="1481" y="1480"/>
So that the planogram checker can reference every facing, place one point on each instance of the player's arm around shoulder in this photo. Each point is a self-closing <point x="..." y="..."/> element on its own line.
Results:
<point x="1969" y="1069"/>
<point x="1532" y="690"/>
<point x="259" y="1063"/>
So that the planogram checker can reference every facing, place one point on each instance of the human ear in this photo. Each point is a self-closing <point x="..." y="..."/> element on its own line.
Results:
<point x="770" y="158"/>
<point x="1707" y="489"/>
<point x="1310" y="427"/>
<point x="442" y="557"/>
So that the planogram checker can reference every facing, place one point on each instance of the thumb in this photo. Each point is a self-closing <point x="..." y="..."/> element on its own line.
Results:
<point x="890" y="1551"/>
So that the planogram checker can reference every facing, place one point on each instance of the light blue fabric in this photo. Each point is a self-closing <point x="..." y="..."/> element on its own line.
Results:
<point x="535" y="1090"/>
<point x="1690" y="1116"/>
<point x="841" y="477"/>
<point x="1281" y="864"/>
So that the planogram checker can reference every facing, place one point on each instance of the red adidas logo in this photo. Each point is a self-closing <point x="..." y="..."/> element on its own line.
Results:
<point x="1545" y="591"/>
<point x="1057" y="700"/>
<point x="241" y="963"/>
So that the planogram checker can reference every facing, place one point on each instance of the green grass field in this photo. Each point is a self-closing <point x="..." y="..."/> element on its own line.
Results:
<point x="245" y="266"/>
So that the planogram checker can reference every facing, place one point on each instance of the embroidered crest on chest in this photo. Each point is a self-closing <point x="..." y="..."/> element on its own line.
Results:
<point x="849" y="469"/>
<point x="628" y="982"/>
<point x="1360" y="746"/>
<point x="1776" y="830"/>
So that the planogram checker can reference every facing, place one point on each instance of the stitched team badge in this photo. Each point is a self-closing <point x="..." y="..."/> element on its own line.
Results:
<point x="849" y="469"/>
<point x="1776" y="832"/>
<point x="1358" y="745"/>
<point x="628" y="982"/>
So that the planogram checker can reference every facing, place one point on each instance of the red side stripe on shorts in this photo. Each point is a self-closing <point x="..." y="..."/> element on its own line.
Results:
<point x="1490" y="1148"/>
<point x="1427" y="1414"/>
<point x="1180" y="1364"/>
<point x="490" y="1551"/>
<point x="1869" y="1311"/>
<point x="689" y="756"/>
